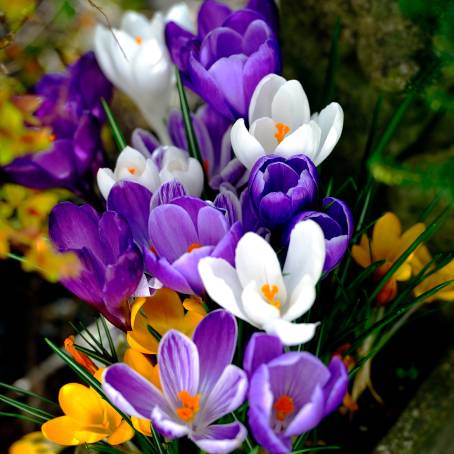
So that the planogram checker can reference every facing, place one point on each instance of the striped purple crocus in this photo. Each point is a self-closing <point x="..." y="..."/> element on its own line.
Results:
<point x="199" y="386"/>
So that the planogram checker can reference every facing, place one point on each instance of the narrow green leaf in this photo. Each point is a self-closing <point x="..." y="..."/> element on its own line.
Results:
<point x="25" y="393"/>
<point x="20" y="416"/>
<point x="315" y="449"/>
<point x="158" y="439"/>
<point x="365" y="274"/>
<point x="93" y="355"/>
<point x="429" y="208"/>
<point x="40" y="414"/>
<point x="116" y="131"/>
<point x="113" y="352"/>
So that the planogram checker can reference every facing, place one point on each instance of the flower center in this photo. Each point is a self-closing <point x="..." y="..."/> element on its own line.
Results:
<point x="193" y="246"/>
<point x="281" y="130"/>
<point x="52" y="137"/>
<point x="283" y="406"/>
<point x="270" y="292"/>
<point x="190" y="405"/>
<point x="132" y="170"/>
<point x="138" y="39"/>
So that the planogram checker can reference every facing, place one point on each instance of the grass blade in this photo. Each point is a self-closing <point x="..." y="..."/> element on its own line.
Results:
<point x="41" y="414"/>
<point x="20" y="416"/>
<point x="93" y="355"/>
<point x="118" y="137"/>
<point x="109" y="339"/>
<point x="25" y="393"/>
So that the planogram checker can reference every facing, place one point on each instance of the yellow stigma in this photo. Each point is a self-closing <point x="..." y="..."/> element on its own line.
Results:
<point x="190" y="405"/>
<point x="138" y="39"/>
<point x="270" y="292"/>
<point x="283" y="406"/>
<point x="132" y="170"/>
<point x="282" y="129"/>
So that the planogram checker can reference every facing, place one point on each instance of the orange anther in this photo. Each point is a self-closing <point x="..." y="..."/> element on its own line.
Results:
<point x="193" y="246"/>
<point x="270" y="292"/>
<point x="189" y="405"/>
<point x="282" y="130"/>
<point x="138" y="39"/>
<point x="283" y="406"/>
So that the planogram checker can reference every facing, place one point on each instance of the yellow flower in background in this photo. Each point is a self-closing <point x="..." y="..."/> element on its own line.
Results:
<point x="387" y="243"/>
<point x="34" y="443"/>
<point x="88" y="419"/>
<point x="162" y="311"/>
<point x="420" y="259"/>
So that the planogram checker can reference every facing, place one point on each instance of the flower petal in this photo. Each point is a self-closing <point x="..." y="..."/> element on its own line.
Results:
<point x="245" y="146"/>
<point x="291" y="333"/>
<point x="220" y="438"/>
<point x="304" y="140"/>
<point x="261" y="349"/>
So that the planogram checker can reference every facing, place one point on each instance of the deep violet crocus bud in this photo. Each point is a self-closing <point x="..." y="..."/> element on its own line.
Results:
<point x="230" y="54"/>
<point x="289" y="393"/>
<point x="111" y="264"/>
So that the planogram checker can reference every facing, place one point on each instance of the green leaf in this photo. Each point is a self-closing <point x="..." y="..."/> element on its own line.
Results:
<point x="93" y="355"/>
<point x="26" y="393"/>
<point x="20" y="416"/>
<point x="315" y="449"/>
<point x="40" y="414"/>
<point x="113" y="352"/>
<point x="116" y="131"/>
<point x="365" y="274"/>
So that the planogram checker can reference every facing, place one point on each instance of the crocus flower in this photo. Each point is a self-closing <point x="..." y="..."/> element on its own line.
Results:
<point x="71" y="106"/>
<point x="213" y="135"/>
<point x="34" y="443"/>
<point x="336" y="220"/>
<point x="162" y="311"/>
<point x="199" y="386"/>
<point x="181" y="233"/>
<point x="135" y="59"/>
<point x="280" y="123"/>
<point x="111" y="264"/>
<point x="88" y="419"/>
<point x="387" y="243"/>
<point x="289" y="393"/>
<point x="259" y="292"/>
<point x="166" y="163"/>
<point x="230" y="54"/>
<point x="279" y="188"/>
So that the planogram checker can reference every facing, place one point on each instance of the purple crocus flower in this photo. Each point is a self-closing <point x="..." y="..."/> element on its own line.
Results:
<point x="279" y="188"/>
<point x="289" y="393"/>
<point x="199" y="386"/>
<point x="71" y="106"/>
<point x="213" y="135"/>
<point x="111" y="264"/>
<point x="229" y="56"/>
<point x="181" y="233"/>
<point x="336" y="221"/>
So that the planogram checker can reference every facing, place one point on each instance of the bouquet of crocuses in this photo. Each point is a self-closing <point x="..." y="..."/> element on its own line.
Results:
<point x="211" y="248"/>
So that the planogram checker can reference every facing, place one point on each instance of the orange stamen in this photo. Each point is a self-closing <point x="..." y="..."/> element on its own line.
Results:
<point x="190" y="405"/>
<point x="138" y="39"/>
<point x="205" y="165"/>
<point x="52" y="137"/>
<point x="193" y="246"/>
<point x="132" y="170"/>
<point x="78" y="356"/>
<point x="283" y="406"/>
<point x="270" y="292"/>
<point x="282" y="130"/>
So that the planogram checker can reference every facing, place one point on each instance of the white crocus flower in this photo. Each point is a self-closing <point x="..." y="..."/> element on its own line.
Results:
<point x="135" y="59"/>
<point x="172" y="164"/>
<point x="259" y="292"/>
<point x="281" y="124"/>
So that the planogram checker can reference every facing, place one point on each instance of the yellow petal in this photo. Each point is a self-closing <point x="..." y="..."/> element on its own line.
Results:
<point x="403" y="273"/>
<point x="82" y="404"/>
<point x="66" y="431"/>
<point x="140" y="363"/>
<point x="189" y="323"/>
<point x="123" y="433"/>
<point x="408" y="238"/>
<point x="361" y="255"/>
<point x="385" y="237"/>
<point x="142" y="425"/>
<point x="194" y="304"/>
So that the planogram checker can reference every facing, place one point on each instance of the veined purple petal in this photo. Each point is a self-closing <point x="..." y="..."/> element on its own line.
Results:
<point x="144" y="141"/>
<point x="337" y="386"/>
<point x="211" y="226"/>
<point x="215" y="338"/>
<point x="178" y="366"/>
<point x="130" y="392"/>
<point x="132" y="201"/>
<point x="166" y="193"/>
<point x="192" y="205"/>
<point x="261" y="349"/>
<point x="226" y="247"/>
<point x="171" y="231"/>
<point x="228" y="202"/>
<point x="167" y="425"/>
<point x="220" y="439"/>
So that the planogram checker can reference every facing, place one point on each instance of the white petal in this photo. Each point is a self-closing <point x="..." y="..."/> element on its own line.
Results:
<point x="150" y="176"/>
<point x="222" y="285"/>
<point x="290" y="105"/>
<point x="301" y="300"/>
<point x="181" y="14"/>
<point x="136" y="25"/>
<point x="143" y="288"/>
<point x="331" y="122"/>
<point x="291" y="333"/>
<point x="106" y="180"/>
<point x="258" y="311"/>
<point x="305" y="140"/>
<point x="306" y="254"/>
<point x="245" y="146"/>
<point x="101" y="44"/>
<point x="264" y="130"/>
<point x="256" y="261"/>
<point x="127" y="159"/>
<point x="260" y="105"/>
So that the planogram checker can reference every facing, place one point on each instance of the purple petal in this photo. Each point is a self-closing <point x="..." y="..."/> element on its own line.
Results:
<point x="337" y="386"/>
<point x="212" y="14"/>
<point x="339" y="211"/>
<point x="256" y="34"/>
<point x="220" y="42"/>
<point x="215" y="338"/>
<point x="261" y="349"/>
<point x="171" y="231"/>
<point x="211" y="226"/>
<point x="132" y="201"/>
<point x="220" y="439"/>
<point x="335" y="251"/>
<point x="166" y="193"/>
<point x="192" y="205"/>
<point x="167" y="425"/>
<point x="175" y="125"/>
<point x="226" y="247"/>
<point x="275" y="208"/>
<point x="228" y="202"/>
<point x="115" y="236"/>
<point x="144" y="141"/>
<point x="178" y="366"/>
<point x="267" y="9"/>
<point x="180" y="43"/>
<point x="86" y="142"/>
<point x="279" y="177"/>
<point x="226" y="396"/>
<point x="130" y="392"/>
<point x="241" y="19"/>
